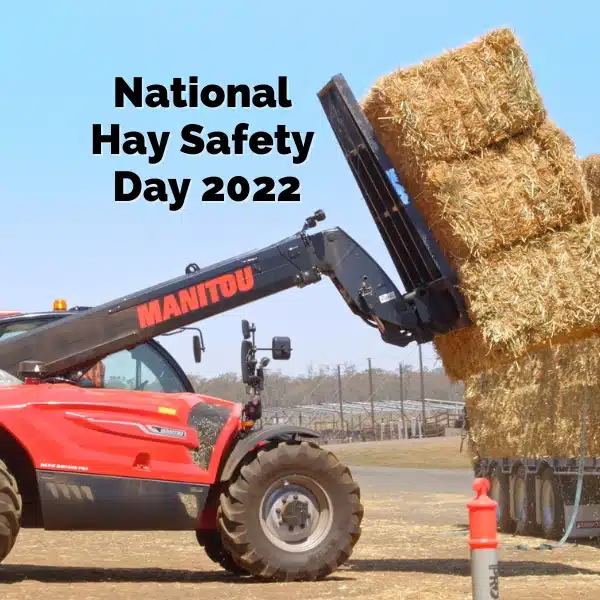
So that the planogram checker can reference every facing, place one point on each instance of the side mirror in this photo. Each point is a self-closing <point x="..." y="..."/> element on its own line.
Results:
<point x="281" y="348"/>
<point x="197" y="346"/>
<point x="246" y="329"/>
<point x="246" y="347"/>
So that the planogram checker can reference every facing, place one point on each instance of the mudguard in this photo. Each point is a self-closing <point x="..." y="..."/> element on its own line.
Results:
<point x="245" y="445"/>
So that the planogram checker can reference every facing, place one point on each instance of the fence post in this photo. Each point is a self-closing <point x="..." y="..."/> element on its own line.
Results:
<point x="483" y="541"/>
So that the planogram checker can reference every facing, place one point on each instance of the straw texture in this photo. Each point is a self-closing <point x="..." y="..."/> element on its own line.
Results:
<point x="456" y="103"/>
<point x="591" y="171"/>
<point x="504" y="195"/>
<point x="533" y="407"/>
<point x="532" y="296"/>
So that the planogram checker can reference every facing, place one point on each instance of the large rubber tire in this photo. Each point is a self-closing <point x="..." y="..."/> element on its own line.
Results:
<point x="523" y="504"/>
<point x="11" y="508"/>
<point x="313" y="476"/>
<point x="213" y="546"/>
<point x="552" y="506"/>
<point x="500" y="492"/>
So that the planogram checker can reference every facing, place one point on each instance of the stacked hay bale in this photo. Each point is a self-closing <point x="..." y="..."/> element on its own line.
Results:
<point x="533" y="407"/>
<point x="503" y="193"/>
<point x="591" y="172"/>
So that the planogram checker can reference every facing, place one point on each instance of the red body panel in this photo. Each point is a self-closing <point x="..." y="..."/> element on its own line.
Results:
<point x="109" y="432"/>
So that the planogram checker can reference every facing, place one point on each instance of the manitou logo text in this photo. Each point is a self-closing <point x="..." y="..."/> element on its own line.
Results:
<point x="195" y="297"/>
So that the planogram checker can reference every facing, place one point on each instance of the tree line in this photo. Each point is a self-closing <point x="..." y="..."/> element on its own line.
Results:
<point x="320" y="385"/>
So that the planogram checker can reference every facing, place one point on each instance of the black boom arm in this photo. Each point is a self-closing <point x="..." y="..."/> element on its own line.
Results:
<point x="302" y="259"/>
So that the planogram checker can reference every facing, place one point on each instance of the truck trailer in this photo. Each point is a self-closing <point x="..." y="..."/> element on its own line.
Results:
<point x="539" y="496"/>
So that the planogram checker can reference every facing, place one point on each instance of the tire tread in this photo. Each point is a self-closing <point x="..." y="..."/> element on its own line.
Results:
<point x="230" y="514"/>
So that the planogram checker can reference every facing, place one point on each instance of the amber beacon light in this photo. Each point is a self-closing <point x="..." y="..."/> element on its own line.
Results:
<point x="60" y="304"/>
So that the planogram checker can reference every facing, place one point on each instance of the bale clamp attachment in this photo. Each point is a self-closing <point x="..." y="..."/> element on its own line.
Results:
<point x="426" y="276"/>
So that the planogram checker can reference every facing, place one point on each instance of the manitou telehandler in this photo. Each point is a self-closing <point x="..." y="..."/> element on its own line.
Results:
<point x="109" y="451"/>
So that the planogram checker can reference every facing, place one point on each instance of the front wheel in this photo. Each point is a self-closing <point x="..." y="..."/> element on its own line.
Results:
<point x="213" y="546"/>
<point x="11" y="507"/>
<point x="292" y="513"/>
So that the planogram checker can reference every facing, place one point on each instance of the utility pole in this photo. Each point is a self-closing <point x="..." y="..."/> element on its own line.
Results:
<point x="371" y="396"/>
<point x="401" y="392"/>
<point x="339" y="374"/>
<point x="422" y="386"/>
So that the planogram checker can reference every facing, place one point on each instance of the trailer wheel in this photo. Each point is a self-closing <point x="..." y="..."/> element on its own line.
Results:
<point x="11" y="507"/>
<point x="552" y="506"/>
<point x="523" y="504"/>
<point x="292" y="513"/>
<point x="500" y="492"/>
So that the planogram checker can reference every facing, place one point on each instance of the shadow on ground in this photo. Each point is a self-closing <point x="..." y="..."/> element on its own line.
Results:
<point x="462" y="567"/>
<point x="43" y="574"/>
<point x="448" y="566"/>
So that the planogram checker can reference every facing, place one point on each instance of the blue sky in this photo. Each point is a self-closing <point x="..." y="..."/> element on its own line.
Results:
<point x="64" y="236"/>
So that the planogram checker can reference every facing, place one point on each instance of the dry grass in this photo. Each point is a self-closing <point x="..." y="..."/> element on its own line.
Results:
<point x="532" y="296"/>
<point x="533" y="407"/>
<point x="433" y="453"/>
<point x="591" y="170"/>
<point x="456" y="103"/>
<point x="506" y="194"/>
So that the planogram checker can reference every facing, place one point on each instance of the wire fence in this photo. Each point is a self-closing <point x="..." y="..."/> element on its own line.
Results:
<point x="354" y="423"/>
<point x="345" y="404"/>
<point x="386" y="413"/>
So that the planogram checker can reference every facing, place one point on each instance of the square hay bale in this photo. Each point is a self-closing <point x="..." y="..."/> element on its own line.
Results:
<point x="533" y="407"/>
<point x="532" y="296"/>
<point x="505" y="194"/>
<point x="456" y="103"/>
<point x="591" y="171"/>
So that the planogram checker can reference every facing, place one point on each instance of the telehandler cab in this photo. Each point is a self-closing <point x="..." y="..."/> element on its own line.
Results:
<point x="87" y="443"/>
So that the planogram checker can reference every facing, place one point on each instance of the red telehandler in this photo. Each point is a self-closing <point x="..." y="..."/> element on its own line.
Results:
<point x="110" y="452"/>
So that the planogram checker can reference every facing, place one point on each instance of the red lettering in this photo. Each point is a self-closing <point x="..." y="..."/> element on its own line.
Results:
<point x="202" y="299"/>
<point x="227" y="285"/>
<point x="245" y="279"/>
<point x="149" y="314"/>
<point x="188" y="299"/>
<point x="196" y="297"/>
<point x="170" y="307"/>
<point x="213" y="292"/>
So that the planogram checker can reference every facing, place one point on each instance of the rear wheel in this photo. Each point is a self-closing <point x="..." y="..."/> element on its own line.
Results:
<point x="11" y="507"/>
<point x="523" y="504"/>
<point x="292" y="513"/>
<point x="551" y="506"/>
<point x="500" y="492"/>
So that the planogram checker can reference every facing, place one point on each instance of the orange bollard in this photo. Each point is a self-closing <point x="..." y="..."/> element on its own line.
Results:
<point x="483" y="541"/>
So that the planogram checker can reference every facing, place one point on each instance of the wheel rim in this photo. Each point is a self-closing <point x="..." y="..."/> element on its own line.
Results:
<point x="296" y="513"/>
<point x="520" y="500"/>
<point x="495" y="494"/>
<point x="547" y="504"/>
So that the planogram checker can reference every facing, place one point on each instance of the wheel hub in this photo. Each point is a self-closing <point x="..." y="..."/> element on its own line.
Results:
<point x="296" y="513"/>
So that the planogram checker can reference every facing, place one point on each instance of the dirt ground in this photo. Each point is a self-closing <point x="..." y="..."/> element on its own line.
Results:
<point x="425" y="453"/>
<point x="414" y="546"/>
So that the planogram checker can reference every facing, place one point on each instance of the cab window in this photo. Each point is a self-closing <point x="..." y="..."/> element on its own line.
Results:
<point x="143" y="368"/>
